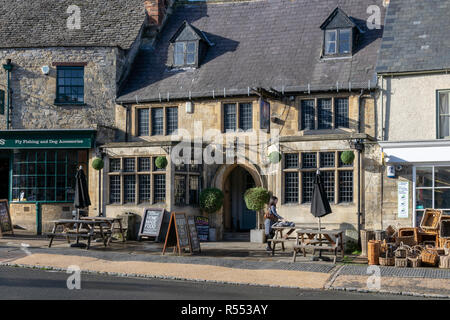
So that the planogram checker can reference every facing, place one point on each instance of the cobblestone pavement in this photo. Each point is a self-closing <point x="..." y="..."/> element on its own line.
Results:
<point x="427" y="273"/>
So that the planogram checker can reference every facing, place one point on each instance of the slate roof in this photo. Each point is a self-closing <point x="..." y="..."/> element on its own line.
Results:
<point x="269" y="43"/>
<point x="43" y="23"/>
<point x="416" y="37"/>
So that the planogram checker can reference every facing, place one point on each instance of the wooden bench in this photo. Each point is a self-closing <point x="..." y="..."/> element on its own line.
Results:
<point x="303" y="247"/>
<point x="274" y="243"/>
<point x="323" y="240"/>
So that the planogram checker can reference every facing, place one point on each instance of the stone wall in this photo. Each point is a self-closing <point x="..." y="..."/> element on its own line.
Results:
<point x="34" y="93"/>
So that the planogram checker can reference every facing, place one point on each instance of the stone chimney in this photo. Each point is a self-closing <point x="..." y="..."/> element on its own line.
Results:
<point x="156" y="10"/>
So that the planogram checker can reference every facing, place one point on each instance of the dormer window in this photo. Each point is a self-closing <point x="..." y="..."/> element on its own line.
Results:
<point x="185" y="53"/>
<point x="189" y="46"/>
<point x="339" y="34"/>
<point x="338" y="41"/>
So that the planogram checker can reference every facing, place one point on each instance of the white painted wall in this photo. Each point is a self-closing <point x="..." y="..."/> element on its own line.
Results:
<point x="410" y="106"/>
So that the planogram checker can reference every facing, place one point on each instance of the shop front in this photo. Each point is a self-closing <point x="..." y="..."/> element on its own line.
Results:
<point x="428" y="164"/>
<point x="37" y="169"/>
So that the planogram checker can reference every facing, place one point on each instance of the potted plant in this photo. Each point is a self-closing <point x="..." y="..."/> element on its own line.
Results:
<point x="161" y="162"/>
<point x="211" y="200"/>
<point x="98" y="164"/>
<point x="347" y="157"/>
<point x="256" y="199"/>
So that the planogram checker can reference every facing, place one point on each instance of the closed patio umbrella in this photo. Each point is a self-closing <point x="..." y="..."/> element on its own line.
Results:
<point x="82" y="199"/>
<point x="320" y="207"/>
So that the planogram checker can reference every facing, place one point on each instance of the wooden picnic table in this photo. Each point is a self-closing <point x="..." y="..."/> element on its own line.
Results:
<point x="282" y="235"/>
<point x="82" y="228"/>
<point x="109" y="222"/>
<point x="330" y="240"/>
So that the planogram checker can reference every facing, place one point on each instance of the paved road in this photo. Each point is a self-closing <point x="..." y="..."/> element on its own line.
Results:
<point x="20" y="283"/>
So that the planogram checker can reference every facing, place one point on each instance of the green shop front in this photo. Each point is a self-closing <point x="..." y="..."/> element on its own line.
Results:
<point x="37" y="173"/>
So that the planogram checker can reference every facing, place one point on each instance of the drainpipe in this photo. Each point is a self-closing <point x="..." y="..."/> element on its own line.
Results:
<point x="8" y="67"/>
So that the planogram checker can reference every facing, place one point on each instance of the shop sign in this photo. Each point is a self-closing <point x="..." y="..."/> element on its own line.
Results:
<point x="403" y="199"/>
<point x="30" y="140"/>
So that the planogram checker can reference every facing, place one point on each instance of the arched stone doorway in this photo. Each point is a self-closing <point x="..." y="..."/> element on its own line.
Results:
<point x="234" y="180"/>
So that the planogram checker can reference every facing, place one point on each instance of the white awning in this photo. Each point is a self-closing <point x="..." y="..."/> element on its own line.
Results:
<point x="416" y="151"/>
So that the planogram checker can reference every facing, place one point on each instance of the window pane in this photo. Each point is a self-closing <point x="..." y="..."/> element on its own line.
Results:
<point x="157" y="121"/>
<point x="191" y="47"/>
<point x="328" y="182"/>
<point x="441" y="198"/>
<point x="309" y="160"/>
<point x="341" y="110"/>
<point x="291" y="160"/>
<point x="180" y="190"/>
<point x="344" y="41"/>
<point x="307" y="186"/>
<point x="144" y="187"/>
<point x="424" y="198"/>
<point x="245" y="116"/>
<point x="345" y="186"/>
<point x="307" y="112"/>
<point x="444" y="112"/>
<point x="229" y="117"/>
<point x="194" y="190"/>
<point x="172" y="120"/>
<point x="324" y="113"/>
<point x="143" y="122"/>
<point x="144" y="164"/>
<point x="159" y="188"/>
<point x="129" y="184"/>
<point x="327" y="160"/>
<point x="424" y="177"/>
<point x="114" y="189"/>
<point x="330" y="42"/>
<point x="179" y="53"/>
<point x="114" y="165"/>
<point x="291" y="187"/>
<point x="442" y="177"/>
<point x="129" y="164"/>
<point x="190" y="58"/>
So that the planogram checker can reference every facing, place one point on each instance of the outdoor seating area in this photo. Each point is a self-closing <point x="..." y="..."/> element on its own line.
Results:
<point x="424" y="246"/>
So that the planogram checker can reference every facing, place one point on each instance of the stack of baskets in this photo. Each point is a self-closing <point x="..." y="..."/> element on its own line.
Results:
<point x="429" y="256"/>
<point x="414" y="259"/>
<point x="401" y="256"/>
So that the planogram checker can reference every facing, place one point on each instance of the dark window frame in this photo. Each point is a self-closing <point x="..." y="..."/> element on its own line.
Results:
<point x="59" y="87"/>
<point x="337" y="52"/>
<point x="335" y="119"/>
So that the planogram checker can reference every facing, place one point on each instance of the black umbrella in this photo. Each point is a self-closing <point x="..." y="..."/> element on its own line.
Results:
<point x="82" y="199"/>
<point x="320" y="207"/>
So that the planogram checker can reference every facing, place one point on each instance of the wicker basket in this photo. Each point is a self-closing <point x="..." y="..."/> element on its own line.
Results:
<point x="408" y="236"/>
<point x="429" y="257"/>
<point x="373" y="252"/>
<point x="444" y="230"/>
<point x="430" y="219"/>
<point x="414" y="262"/>
<point x="401" y="262"/>
<point x="402" y="251"/>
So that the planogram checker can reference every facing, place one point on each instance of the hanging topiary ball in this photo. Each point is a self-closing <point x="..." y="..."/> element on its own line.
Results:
<point x="98" y="164"/>
<point x="275" y="157"/>
<point x="161" y="162"/>
<point x="347" y="157"/>
<point x="256" y="198"/>
<point x="211" y="200"/>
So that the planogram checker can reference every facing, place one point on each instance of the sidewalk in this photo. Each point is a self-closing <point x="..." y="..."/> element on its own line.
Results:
<point x="223" y="262"/>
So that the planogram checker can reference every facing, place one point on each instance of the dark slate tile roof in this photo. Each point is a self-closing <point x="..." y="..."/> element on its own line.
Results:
<point x="269" y="43"/>
<point x="43" y="23"/>
<point x="416" y="37"/>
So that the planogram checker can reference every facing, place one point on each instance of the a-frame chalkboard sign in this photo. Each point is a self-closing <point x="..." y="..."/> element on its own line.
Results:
<point x="6" y="225"/>
<point x="151" y="223"/>
<point x="177" y="234"/>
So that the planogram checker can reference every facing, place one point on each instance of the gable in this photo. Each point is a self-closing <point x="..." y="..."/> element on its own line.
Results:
<point x="338" y="19"/>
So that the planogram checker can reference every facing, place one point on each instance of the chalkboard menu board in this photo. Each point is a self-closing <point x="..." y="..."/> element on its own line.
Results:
<point x="202" y="225"/>
<point x="177" y="233"/>
<point x="5" y="218"/>
<point x="195" y="243"/>
<point x="151" y="222"/>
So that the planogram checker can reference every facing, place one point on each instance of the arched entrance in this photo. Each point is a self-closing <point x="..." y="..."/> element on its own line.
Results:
<point x="234" y="180"/>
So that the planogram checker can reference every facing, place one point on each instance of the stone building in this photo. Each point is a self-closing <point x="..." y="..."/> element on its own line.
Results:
<point x="63" y="65"/>
<point x="413" y="115"/>
<point x="239" y="80"/>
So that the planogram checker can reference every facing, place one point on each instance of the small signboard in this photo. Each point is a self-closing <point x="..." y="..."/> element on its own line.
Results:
<point x="177" y="233"/>
<point x="195" y="242"/>
<point x="6" y="225"/>
<point x="151" y="222"/>
<point x="403" y="199"/>
<point x="264" y="115"/>
<point x="202" y="225"/>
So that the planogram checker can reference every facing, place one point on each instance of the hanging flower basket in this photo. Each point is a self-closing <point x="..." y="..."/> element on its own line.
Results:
<point x="98" y="164"/>
<point x="347" y="157"/>
<point x="161" y="162"/>
<point x="256" y="198"/>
